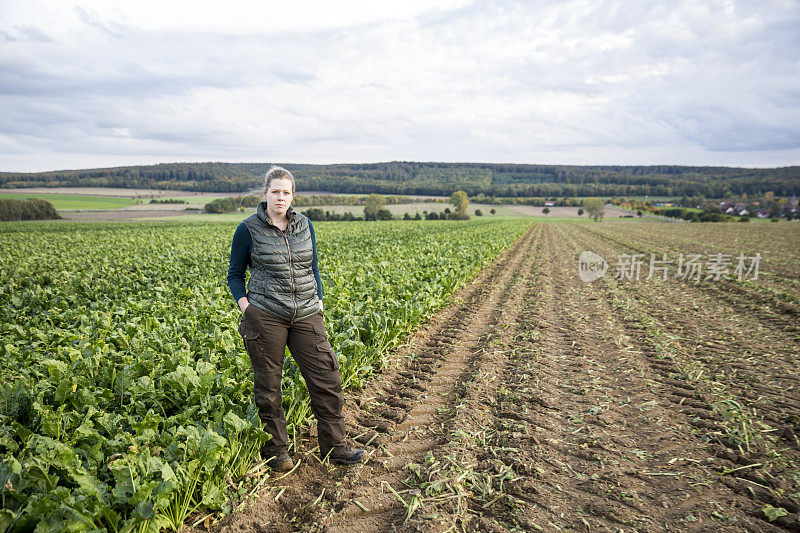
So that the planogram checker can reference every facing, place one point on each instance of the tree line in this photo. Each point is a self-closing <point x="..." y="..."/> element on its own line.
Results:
<point x="28" y="209"/>
<point x="438" y="179"/>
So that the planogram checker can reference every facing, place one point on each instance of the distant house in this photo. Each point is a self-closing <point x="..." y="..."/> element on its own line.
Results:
<point x="737" y="209"/>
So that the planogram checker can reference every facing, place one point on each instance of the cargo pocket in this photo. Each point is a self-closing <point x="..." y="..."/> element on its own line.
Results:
<point x="325" y="354"/>
<point x="254" y="350"/>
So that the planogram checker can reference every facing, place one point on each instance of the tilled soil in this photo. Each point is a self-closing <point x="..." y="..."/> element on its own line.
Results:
<point x="120" y="214"/>
<point x="534" y="402"/>
<point x="756" y="352"/>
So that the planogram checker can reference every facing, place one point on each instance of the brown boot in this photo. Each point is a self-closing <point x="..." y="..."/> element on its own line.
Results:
<point x="280" y="463"/>
<point x="346" y="456"/>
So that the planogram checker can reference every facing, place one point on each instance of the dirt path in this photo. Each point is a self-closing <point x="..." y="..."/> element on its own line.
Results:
<point x="529" y="404"/>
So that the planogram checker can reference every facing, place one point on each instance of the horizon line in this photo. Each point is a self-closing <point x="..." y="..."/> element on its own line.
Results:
<point x="288" y="164"/>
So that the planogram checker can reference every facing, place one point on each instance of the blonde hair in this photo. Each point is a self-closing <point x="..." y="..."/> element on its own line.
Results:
<point x="277" y="173"/>
<point x="274" y="173"/>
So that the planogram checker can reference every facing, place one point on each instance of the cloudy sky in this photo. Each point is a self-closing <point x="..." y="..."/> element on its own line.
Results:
<point x="100" y="83"/>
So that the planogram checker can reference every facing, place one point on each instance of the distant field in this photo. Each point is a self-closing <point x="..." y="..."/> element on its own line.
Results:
<point x="204" y="217"/>
<point x="195" y="199"/>
<point x="566" y="212"/>
<point x="181" y="215"/>
<point x="114" y="191"/>
<point x="99" y="204"/>
<point x="397" y="210"/>
<point x="638" y="198"/>
<point x="74" y="201"/>
<point x="414" y="208"/>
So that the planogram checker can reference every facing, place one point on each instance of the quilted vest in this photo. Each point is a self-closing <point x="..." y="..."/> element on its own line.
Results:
<point x="282" y="281"/>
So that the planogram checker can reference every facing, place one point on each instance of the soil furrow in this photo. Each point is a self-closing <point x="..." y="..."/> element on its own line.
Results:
<point x="586" y="445"/>
<point x="420" y="430"/>
<point x="767" y="380"/>
<point x="714" y="425"/>
<point x="771" y="311"/>
<point x="614" y="433"/>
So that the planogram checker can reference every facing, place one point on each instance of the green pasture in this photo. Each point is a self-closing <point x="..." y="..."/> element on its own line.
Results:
<point x="75" y="201"/>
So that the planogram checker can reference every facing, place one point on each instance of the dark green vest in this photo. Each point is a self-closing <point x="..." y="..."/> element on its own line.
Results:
<point x="281" y="277"/>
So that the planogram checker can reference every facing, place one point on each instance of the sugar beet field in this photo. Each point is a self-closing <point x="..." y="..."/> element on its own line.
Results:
<point x="493" y="388"/>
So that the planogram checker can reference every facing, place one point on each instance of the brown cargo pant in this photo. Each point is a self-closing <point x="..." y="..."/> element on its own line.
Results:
<point x="266" y="338"/>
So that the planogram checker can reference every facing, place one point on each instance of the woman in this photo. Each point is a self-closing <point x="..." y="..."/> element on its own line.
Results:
<point x="283" y="307"/>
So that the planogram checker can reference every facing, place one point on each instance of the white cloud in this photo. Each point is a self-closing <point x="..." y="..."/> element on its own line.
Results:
<point x="552" y="82"/>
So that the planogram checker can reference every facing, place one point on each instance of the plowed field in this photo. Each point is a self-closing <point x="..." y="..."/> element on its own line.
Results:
<point x="537" y="401"/>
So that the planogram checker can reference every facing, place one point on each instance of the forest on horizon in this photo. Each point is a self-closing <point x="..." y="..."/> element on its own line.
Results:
<point x="429" y="178"/>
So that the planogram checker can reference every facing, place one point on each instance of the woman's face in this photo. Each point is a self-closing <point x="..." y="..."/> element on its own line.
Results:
<point x="279" y="196"/>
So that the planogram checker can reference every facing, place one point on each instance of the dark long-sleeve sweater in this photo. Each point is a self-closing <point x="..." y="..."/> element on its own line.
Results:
<point x="240" y="259"/>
